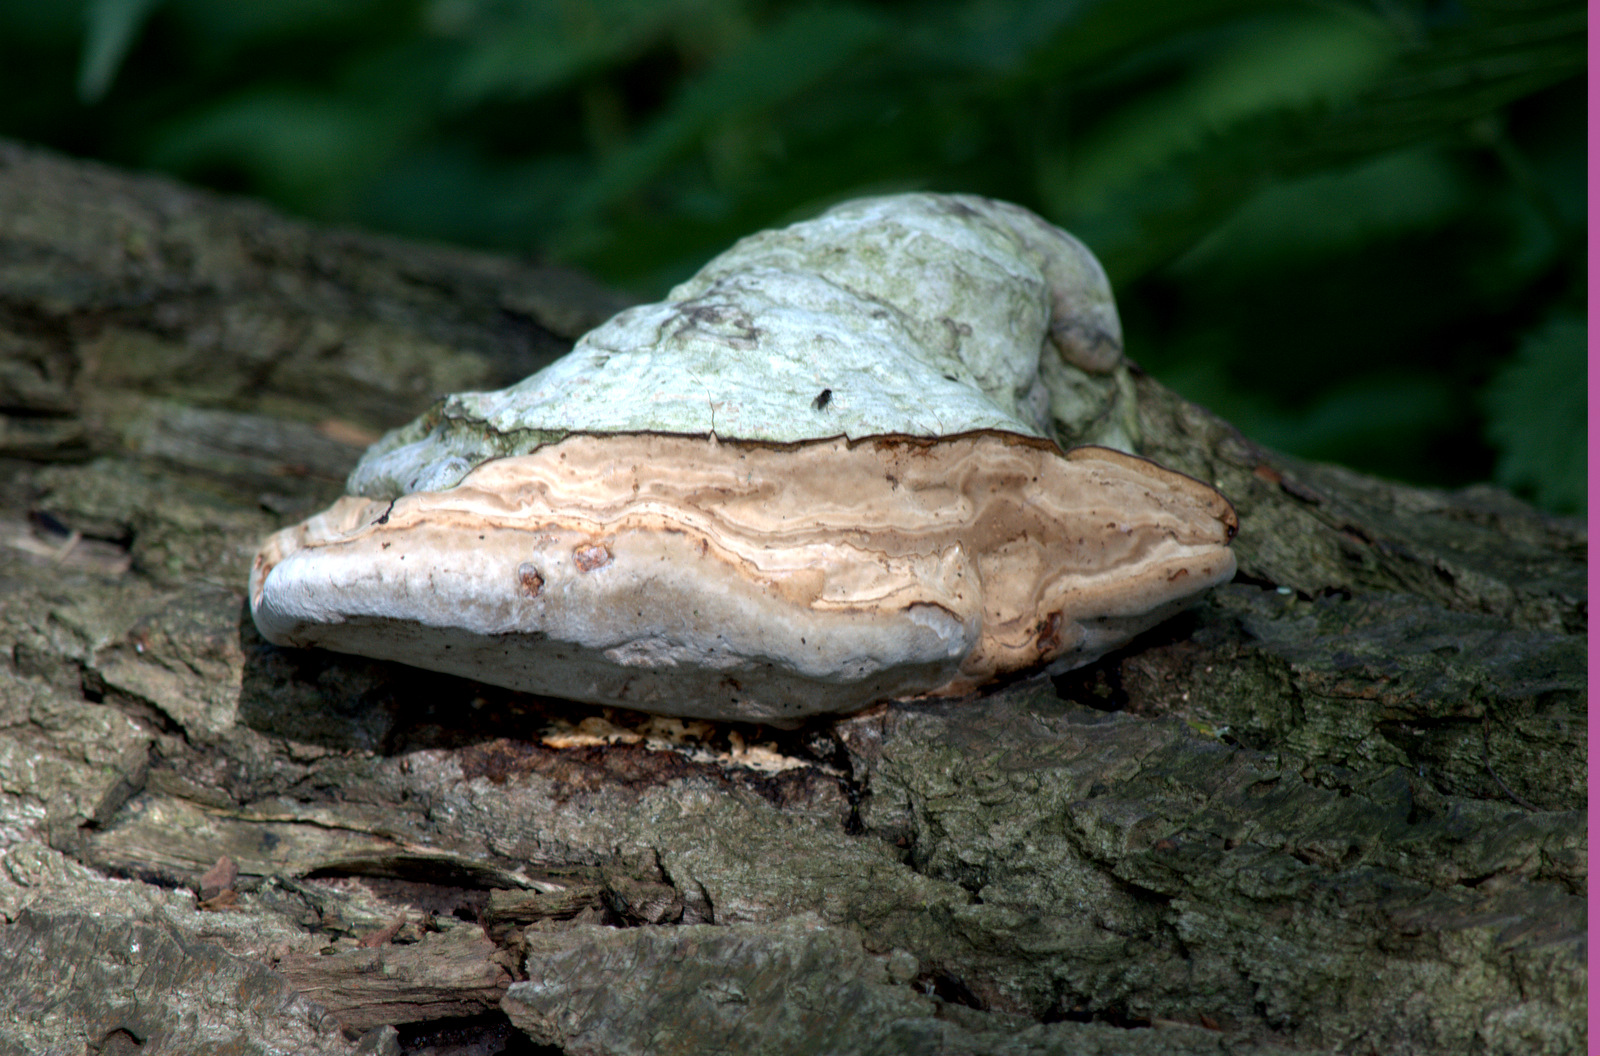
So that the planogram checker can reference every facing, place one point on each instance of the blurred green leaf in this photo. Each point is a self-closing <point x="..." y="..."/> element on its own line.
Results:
<point x="1123" y="39"/>
<point x="225" y="28"/>
<point x="543" y="44"/>
<point x="1141" y="221"/>
<point x="1538" y="416"/>
<point x="112" y="27"/>
<point x="452" y="194"/>
<point x="1371" y="422"/>
<point x="32" y="24"/>
<point x="770" y="67"/>
<point x="1288" y="63"/>
<point x="990" y="36"/>
<point x="1335" y="211"/>
<point x="307" y="149"/>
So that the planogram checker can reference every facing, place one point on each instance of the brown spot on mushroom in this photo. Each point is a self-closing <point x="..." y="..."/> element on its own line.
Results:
<point x="591" y="556"/>
<point x="529" y="581"/>
<point x="1048" y="638"/>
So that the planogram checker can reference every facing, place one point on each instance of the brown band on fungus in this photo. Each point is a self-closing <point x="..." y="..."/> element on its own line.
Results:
<point x="897" y="567"/>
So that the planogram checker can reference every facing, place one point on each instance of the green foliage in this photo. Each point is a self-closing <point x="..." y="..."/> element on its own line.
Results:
<point x="1536" y="408"/>
<point x="111" y="28"/>
<point x="1331" y="220"/>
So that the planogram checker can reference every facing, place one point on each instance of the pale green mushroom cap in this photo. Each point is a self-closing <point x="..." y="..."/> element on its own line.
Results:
<point x="919" y="315"/>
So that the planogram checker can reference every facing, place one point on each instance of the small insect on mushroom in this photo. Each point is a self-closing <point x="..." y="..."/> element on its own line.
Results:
<point x="593" y="533"/>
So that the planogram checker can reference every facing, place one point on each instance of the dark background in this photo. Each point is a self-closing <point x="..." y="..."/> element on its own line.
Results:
<point x="1353" y="227"/>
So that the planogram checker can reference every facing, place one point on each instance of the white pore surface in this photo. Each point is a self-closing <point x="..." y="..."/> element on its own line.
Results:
<point x="752" y="582"/>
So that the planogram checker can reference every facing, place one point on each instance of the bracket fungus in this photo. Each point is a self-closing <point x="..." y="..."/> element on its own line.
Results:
<point x="822" y="473"/>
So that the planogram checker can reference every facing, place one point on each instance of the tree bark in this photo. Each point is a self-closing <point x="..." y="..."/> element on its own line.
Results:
<point x="1338" y="807"/>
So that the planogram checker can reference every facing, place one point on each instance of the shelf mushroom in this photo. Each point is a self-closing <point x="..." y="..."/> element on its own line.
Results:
<point x="822" y="473"/>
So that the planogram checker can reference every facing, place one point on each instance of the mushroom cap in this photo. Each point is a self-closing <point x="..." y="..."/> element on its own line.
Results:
<point x="921" y="315"/>
<point x="751" y="581"/>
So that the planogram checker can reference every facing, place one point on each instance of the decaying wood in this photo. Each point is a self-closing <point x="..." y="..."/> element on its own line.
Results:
<point x="1338" y="808"/>
<point x="444" y="975"/>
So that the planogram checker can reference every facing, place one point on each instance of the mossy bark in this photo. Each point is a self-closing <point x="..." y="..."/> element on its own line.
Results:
<point x="1336" y="808"/>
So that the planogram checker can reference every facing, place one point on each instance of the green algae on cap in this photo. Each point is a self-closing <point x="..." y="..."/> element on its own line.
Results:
<point x="920" y="315"/>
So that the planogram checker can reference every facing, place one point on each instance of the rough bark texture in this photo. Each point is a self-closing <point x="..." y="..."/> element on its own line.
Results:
<point x="1337" y="808"/>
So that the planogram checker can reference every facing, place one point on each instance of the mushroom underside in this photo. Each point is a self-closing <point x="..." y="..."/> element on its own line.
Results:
<point x="692" y="577"/>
